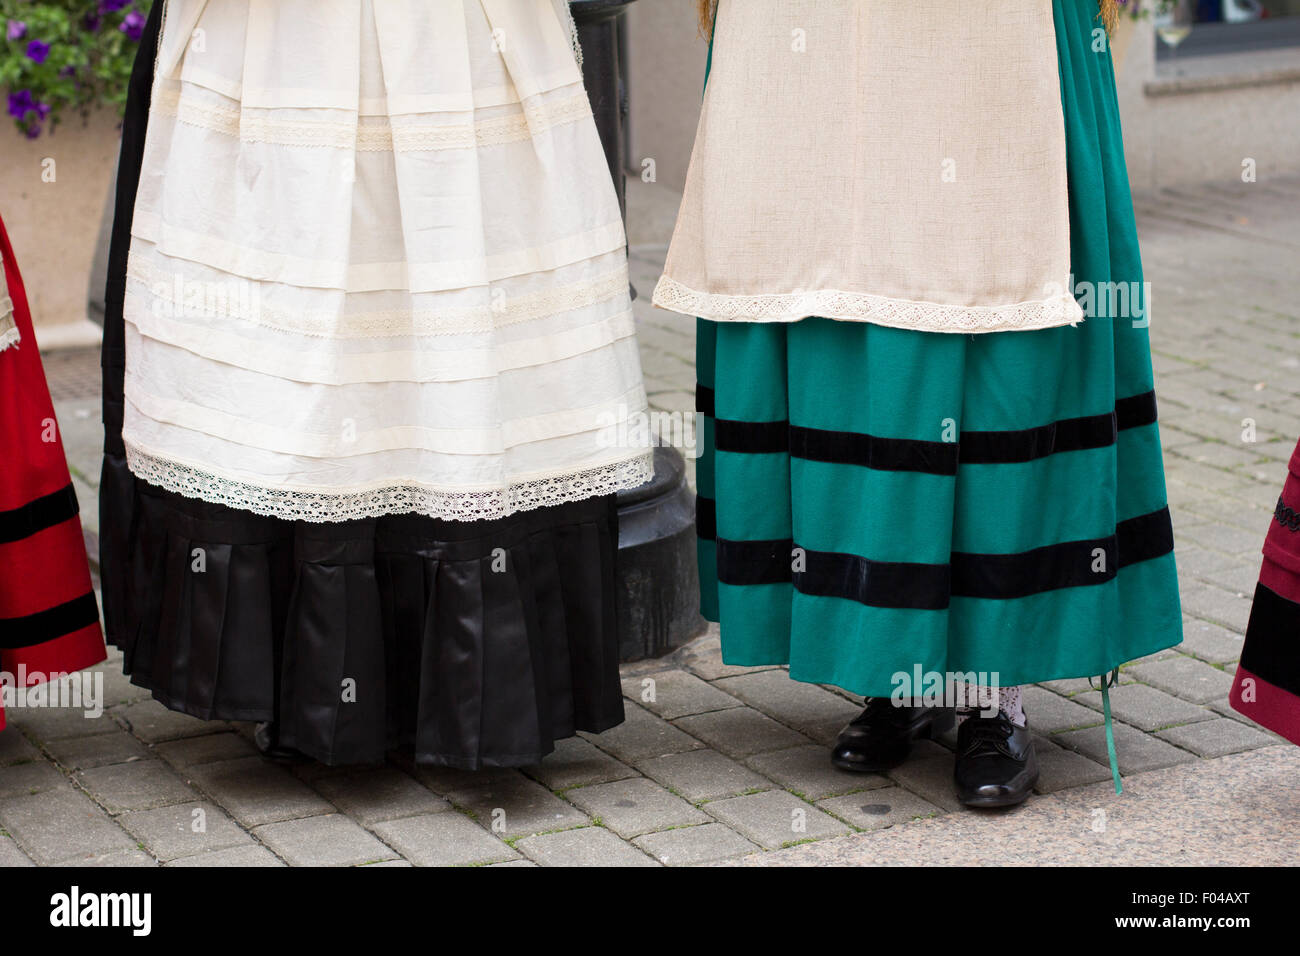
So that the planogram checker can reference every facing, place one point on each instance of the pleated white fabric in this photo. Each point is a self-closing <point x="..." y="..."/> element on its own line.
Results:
<point x="9" y="334"/>
<point x="377" y="264"/>
<point x="897" y="163"/>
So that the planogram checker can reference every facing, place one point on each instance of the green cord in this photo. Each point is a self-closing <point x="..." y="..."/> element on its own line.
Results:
<point x="1106" y="683"/>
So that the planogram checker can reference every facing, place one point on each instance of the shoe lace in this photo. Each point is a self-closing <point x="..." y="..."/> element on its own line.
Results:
<point x="988" y="735"/>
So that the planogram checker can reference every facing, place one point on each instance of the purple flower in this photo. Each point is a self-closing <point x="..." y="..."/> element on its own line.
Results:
<point x="21" y="103"/>
<point x="33" y="130"/>
<point x="38" y="51"/>
<point x="91" y="22"/>
<point x="43" y="110"/>
<point x="133" y="25"/>
<point x="17" y="30"/>
<point x="112" y="6"/>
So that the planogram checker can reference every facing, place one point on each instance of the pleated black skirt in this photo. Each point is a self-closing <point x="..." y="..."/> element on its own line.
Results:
<point x="470" y="644"/>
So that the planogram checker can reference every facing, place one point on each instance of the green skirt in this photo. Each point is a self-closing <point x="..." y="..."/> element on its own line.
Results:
<point x="877" y="501"/>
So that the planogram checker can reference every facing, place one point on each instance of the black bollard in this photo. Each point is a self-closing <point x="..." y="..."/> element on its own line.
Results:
<point x="658" y="591"/>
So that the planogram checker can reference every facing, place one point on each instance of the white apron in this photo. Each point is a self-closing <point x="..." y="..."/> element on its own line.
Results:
<point x="901" y="163"/>
<point x="377" y="264"/>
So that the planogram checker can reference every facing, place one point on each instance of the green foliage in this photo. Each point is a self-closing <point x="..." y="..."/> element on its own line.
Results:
<point x="66" y="56"/>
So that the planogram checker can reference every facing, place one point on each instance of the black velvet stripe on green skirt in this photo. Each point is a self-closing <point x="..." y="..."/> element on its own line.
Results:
<point x="877" y="500"/>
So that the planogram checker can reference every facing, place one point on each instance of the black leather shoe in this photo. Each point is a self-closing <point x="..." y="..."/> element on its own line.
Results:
<point x="996" y="765"/>
<point x="880" y="738"/>
<point x="267" y="738"/>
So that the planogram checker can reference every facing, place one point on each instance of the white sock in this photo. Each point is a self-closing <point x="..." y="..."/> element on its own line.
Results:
<point x="972" y="698"/>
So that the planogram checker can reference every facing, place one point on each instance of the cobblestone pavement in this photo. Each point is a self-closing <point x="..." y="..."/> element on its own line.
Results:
<point x="719" y="763"/>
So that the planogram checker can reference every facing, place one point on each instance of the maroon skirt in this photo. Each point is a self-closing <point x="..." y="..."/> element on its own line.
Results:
<point x="49" y="620"/>
<point x="1267" y="685"/>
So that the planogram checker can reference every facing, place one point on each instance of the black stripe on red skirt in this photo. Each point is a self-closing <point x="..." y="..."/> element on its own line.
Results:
<point x="38" y="514"/>
<point x="30" y="629"/>
<point x="17" y="527"/>
<point x="1272" y="648"/>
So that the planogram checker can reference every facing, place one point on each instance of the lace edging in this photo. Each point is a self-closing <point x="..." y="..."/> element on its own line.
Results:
<point x="1287" y="517"/>
<point x="9" y="334"/>
<point x="1055" y="310"/>
<point x="475" y="504"/>
<point x="9" y="337"/>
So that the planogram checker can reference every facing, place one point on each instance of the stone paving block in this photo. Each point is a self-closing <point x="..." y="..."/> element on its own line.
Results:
<point x="587" y="846"/>
<point x="443" y="839"/>
<point x="169" y="833"/>
<point x="1135" y="750"/>
<point x="807" y="770"/>
<point x="406" y="863"/>
<point x="112" y="859"/>
<point x="1219" y="454"/>
<point x="445" y="780"/>
<point x="1224" y="709"/>
<point x="577" y="763"/>
<point x="643" y="735"/>
<point x="1061" y="769"/>
<point x="23" y="779"/>
<point x="383" y="793"/>
<point x="676" y="693"/>
<point x="1236" y="578"/>
<point x="807" y="708"/>
<point x="703" y="658"/>
<point x="10" y="855"/>
<point x="1187" y="678"/>
<point x="55" y="723"/>
<point x="1210" y="642"/>
<point x="877" y="809"/>
<point x="774" y="819"/>
<point x="740" y="731"/>
<point x="333" y="840"/>
<point x="1215" y="738"/>
<point x="1161" y="655"/>
<point x="1197" y="562"/>
<point x="1047" y="712"/>
<point x="118" y="688"/>
<point x="138" y="785"/>
<point x="703" y="775"/>
<point x="517" y="807"/>
<point x="1224" y="512"/>
<point x="60" y="825"/>
<point x="1071" y="686"/>
<point x="152" y="722"/>
<point x="694" y="846"/>
<point x="15" y="748"/>
<point x="210" y="748"/>
<point x="931" y="778"/>
<point x="101" y="750"/>
<point x="1228" y="608"/>
<point x="255" y="791"/>
<point x="1145" y="707"/>
<point x="635" y="806"/>
<point x="236" y="857"/>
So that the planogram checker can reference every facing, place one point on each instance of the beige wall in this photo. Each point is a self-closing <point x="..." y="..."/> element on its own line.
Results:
<point x="1187" y="136"/>
<point x="54" y="225"/>
<point x="1196" y="120"/>
<point x="666" y="58"/>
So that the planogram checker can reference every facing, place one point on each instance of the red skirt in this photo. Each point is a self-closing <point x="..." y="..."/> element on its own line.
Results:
<point x="49" y="619"/>
<point x="1267" y="685"/>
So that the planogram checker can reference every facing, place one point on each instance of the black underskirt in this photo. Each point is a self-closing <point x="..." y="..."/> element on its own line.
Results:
<point x="469" y="644"/>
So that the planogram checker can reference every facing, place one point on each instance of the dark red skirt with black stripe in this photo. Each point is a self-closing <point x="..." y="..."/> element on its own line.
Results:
<point x="49" y="619"/>
<point x="1267" y="686"/>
